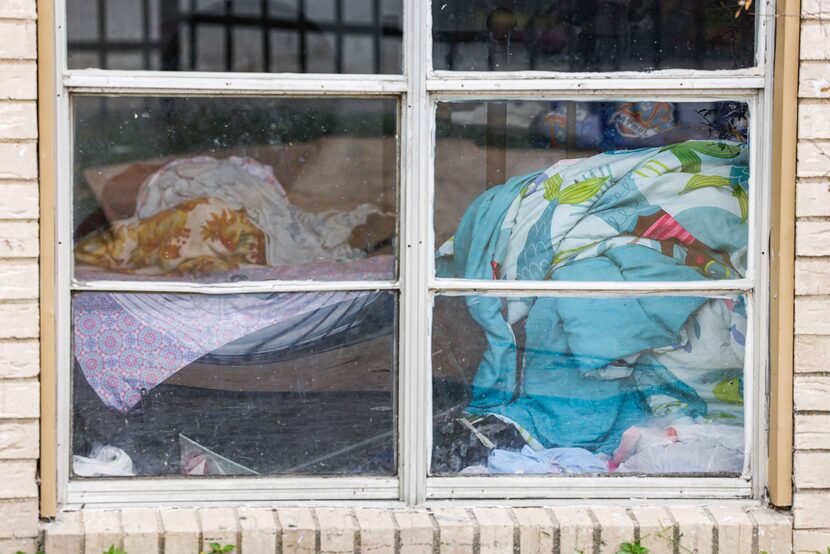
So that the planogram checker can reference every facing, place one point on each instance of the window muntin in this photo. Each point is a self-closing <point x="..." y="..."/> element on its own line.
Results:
<point x="596" y="36"/>
<point x="316" y="36"/>
<point x="298" y="188"/>
<point x="421" y="88"/>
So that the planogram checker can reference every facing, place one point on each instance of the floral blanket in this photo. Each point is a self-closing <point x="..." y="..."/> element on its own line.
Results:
<point x="589" y="365"/>
<point x="201" y="235"/>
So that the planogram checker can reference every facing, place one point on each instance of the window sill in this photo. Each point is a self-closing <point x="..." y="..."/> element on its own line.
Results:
<point x="717" y="528"/>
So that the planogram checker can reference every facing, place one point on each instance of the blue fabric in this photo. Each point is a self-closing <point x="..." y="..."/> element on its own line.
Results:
<point x="567" y="337"/>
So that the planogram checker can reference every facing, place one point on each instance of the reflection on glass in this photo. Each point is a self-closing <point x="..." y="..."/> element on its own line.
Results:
<point x="593" y="35"/>
<point x="567" y="385"/>
<point x="591" y="191"/>
<point x="235" y="189"/>
<point x="257" y="384"/>
<point x="300" y="36"/>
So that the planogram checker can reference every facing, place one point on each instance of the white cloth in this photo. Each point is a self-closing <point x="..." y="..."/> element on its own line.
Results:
<point x="105" y="461"/>
<point x="292" y="235"/>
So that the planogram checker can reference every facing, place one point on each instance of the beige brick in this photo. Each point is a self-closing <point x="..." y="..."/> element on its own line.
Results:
<point x="18" y="545"/>
<point x="815" y="41"/>
<point x="377" y="530"/>
<point x="18" y="160"/>
<point x="811" y="393"/>
<point x="616" y="528"/>
<point x="812" y="238"/>
<point x="812" y="432"/>
<point x="219" y="525"/>
<point x="258" y="531"/>
<point x="656" y="529"/>
<point x="814" y="80"/>
<point x="18" y="120"/>
<point x="812" y="316"/>
<point x="19" y="321"/>
<point x="810" y="542"/>
<point x="495" y="529"/>
<point x="537" y="533"/>
<point x="812" y="199"/>
<point x="576" y="529"/>
<point x="19" y="81"/>
<point x="812" y="276"/>
<point x="735" y="529"/>
<point x="19" y="40"/>
<point x="18" y="239"/>
<point x="814" y="120"/>
<point x="812" y="353"/>
<point x="102" y="529"/>
<point x="17" y="9"/>
<point x="19" y="280"/>
<point x="813" y="158"/>
<point x="416" y="533"/>
<point x="19" y="359"/>
<point x="65" y="535"/>
<point x="181" y="530"/>
<point x="775" y="532"/>
<point x="19" y="200"/>
<point x="19" y="399"/>
<point x="18" y="440"/>
<point x="811" y="510"/>
<point x="19" y="519"/>
<point x="812" y="9"/>
<point x="812" y="470"/>
<point x="299" y="532"/>
<point x="456" y="530"/>
<point x="696" y="529"/>
<point x="141" y="529"/>
<point x="337" y="530"/>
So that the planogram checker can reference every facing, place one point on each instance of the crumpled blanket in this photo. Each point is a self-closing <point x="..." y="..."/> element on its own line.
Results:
<point x="196" y="236"/>
<point x="673" y="213"/>
<point x="202" y="215"/>
<point x="128" y="343"/>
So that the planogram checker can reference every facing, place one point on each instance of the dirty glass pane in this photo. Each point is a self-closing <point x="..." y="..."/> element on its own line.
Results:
<point x="592" y="35"/>
<point x="591" y="191"/>
<point x="569" y="385"/>
<point x="257" y="384"/>
<point x="242" y="189"/>
<point x="301" y="36"/>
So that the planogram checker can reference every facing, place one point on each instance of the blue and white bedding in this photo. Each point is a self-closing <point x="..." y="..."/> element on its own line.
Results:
<point x="593" y="367"/>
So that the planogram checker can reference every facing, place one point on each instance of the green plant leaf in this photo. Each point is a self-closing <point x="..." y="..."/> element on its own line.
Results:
<point x="702" y="181"/>
<point x="552" y="186"/>
<point x="582" y="191"/>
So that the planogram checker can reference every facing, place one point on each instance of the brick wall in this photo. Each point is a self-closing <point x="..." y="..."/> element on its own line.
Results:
<point x="811" y="508"/>
<point x="19" y="362"/>
<point x="19" y="355"/>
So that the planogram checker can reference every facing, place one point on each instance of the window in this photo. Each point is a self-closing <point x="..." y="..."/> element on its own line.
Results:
<point x="391" y="251"/>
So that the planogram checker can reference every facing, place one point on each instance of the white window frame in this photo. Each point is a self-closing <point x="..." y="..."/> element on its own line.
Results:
<point x="418" y="89"/>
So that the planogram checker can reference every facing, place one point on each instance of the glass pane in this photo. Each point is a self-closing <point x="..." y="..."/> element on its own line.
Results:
<point x="591" y="191"/>
<point x="220" y="189"/>
<point x="592" y="35"/>
<point x="614" y="386"/>
<point x="236" y="35"/>
<point x="257" y="384"/>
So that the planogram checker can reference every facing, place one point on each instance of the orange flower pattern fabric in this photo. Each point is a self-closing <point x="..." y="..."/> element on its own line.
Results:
<point x="197" y="236"/>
